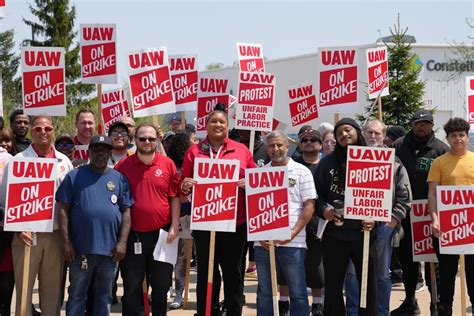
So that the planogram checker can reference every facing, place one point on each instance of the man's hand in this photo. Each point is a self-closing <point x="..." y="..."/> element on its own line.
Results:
<point x="69" y="252"/>
<point x="265" y="244"/>
<point x="118" y="253"/>
<point x="26" y="238"/>
<point x="241" y="183"/>
<point x="173" y="233"/>
<point x="284" y="242"/>
<point x="393" y="223"/>
<point x="331" y="215"/>
<point x="435" y="228"/>
<point x="368" y="225"/>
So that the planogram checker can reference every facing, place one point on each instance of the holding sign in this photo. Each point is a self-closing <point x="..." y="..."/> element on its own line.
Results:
<point x="98" y="53"/>
<point x="150" y="82"/>
<point x="114" y="106"/>
<point x="422" y="241"/>
<point x="377" y="70"/>
<point x="267" y="204"/>
<point x="30" y="194"/>
<point x="214" y="202"/>
<point x="43" y="74"/>
<point x="250" y="57"/>
<point x="456" y="219"/>
<point x="369" y="183"/>
<point x="184" y="75"/>
<point x="302" y="104"/>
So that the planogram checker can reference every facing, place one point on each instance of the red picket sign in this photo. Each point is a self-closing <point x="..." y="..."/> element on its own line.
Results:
<point x="422" y="241"/>
<point x="210" y="92"/>
<point x="250" y="57"/>
<point x="184" y="76"/>
<point x="114" y="106"/>
<point x="302" y="103"/>
<point x="377" y="71"/>
<point x="470" y="100"/>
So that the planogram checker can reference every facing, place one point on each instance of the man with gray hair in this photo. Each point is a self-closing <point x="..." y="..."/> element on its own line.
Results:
<point x="289" y="254"/>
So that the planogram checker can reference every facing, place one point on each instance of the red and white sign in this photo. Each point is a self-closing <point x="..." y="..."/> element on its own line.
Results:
<point x="456" y="219"/>
<point x="369" y="183"/>
<point x="470" y="100"/>
<point x="266" y="192"/>
<point x="214" y="203"/>
<point x="150" y="82"/>
<point x="377" y="71"/>
<point x="184" y="75"/>
<point x="250" y="57"/>
<point x="210" y="92"/>
<point x="114" y="106"/>
<point x="81" y="152"/>
<point x="30" y="194"/>
<point x="255" y="107"/>
<point x="302" y="104"/>
<point x="337" y="75"/>
<point x="3" y="11"/>
<point x="43" y="75"/>
<point x="98" y="53"/>
<point x="421" y="237"/>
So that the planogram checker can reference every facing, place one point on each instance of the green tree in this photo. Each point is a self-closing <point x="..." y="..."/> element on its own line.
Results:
<point x="55" y="28"/>
<point x="213" y="66"/>
<point x="9" y="63"/>
<point x="406" y="89"/>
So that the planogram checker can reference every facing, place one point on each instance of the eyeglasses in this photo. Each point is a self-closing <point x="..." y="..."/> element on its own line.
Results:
<point x="144" y="139"/>
<point x="68" y="146"/>
<point x="42" y="129"/>
<point x="309" y="140"/>
<point x="119" y="134"/>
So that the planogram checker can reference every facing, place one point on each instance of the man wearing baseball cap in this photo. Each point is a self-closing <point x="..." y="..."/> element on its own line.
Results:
<point x="416" y="150"/>
<point x="94" y="219"/>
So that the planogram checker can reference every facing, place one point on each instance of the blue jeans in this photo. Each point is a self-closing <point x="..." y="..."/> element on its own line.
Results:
<point x="104" y="270"/>
<point x="290" y="262"/>
<point x="383" y="244"/>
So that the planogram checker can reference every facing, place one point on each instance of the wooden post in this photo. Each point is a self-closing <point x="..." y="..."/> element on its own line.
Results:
<point x="146" y="304"/>
<point x="434" y="288"/>
<point x="26" y="277"/>
<point x="365" y="268"/>
<point x="273" y="277"/>
<point x="462" y="274"/>
<point x="183" y="120"/>
<point x="336" y="117"/>
<point x="189" y="253"/>
<point x="100" y="127"/>
<point x="252" y="141"/>
<point x="379" y="108"/>
<point x="210" y="272"/>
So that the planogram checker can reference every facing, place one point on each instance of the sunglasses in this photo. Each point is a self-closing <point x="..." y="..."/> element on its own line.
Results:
<point x="119" y="134"/>
<point x="40" y="129"/>
<point x="309" y="140"/>
<point x="144" y="139"/>
<point x="64" y="146"/>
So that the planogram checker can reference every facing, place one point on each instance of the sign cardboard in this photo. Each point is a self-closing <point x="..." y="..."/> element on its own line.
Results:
<point x="377" y="71"/>
<point x="43" y="78"/>
<point x="214" y="200"/>
<point x="302" y="103"/>
<point x="456" y="219"/>
<point x="30" y="194"/>
<point x="114" y="106"/>
<point x="422" y="241"/>
<point x="210" y="92"/>
<point x="470" y="100"/>
<point x="98" y="53"/>
<point x="150" y="82"/>
<point x="369" y="183"/>
<point x="3" y="11"/>
<point x="81" y="152"/>
<point x="255" y="108"/>
<point x="337" y="76"/>
<point x="250" y="57"/>
<point x="184" y="75"/>
<point x="266" y="192"/>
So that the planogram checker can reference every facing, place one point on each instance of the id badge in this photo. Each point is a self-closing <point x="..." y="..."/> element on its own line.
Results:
<point x="138" y="248"/>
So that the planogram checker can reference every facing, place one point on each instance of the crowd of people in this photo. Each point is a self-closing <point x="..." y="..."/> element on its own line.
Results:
<point x="117" y="193"/>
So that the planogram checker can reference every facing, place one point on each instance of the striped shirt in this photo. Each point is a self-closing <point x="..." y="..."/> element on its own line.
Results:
<point x="300" y="189"/>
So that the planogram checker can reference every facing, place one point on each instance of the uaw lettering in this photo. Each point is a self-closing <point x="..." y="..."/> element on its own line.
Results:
<point x="42" y="58"/>
<point x="182" y="64"/>
<point x="251" y="58"/>
<point x="216" y="171"/>
<point x="213" y="85"/>
<point x="457" y="225"/>
<point x="147" y="59"/>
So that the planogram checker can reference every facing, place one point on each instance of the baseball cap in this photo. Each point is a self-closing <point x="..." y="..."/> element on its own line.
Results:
<point x="101" y="139"/>
<point x="309" y="132"/>
<point x="422" y="115"/>
<point x="118" y="124"/>
<point x="64" y="136"/>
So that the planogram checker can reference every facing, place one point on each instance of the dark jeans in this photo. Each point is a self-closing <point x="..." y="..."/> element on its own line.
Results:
<point x="7" y="282"/>
<point x="336" y="254"/>
<point x="229" y="249"/>
<point x="314" y="263"/>
<point x="134" y="267"/>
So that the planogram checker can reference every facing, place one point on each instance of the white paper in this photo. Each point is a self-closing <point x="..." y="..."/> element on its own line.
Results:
<point x="165" y="252"/>
<point x="321" y="227"/>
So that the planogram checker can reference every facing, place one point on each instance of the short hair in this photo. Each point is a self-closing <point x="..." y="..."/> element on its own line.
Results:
<point x="219" y="108"/>
<point x="37" y="117"/>
<point x="276" y="134"/>
<point x="145" y="124"/>
<point x="456" y="124"/>
<point x="14" y="114"/>
<point x="376" y="121"/>
<point x="83" y="111"/>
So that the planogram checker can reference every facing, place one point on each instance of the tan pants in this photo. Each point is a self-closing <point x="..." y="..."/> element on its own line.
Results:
<point x="46" y="262"/>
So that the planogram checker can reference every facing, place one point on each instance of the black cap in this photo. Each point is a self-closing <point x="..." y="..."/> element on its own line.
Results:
<point x="101" y="140"/>
<point x="346" y="121"/>
<point x="118" y="124"/>
<point x="310" y="133"/>
<point x="64" y="136"/>
<point x="422" y="115"/>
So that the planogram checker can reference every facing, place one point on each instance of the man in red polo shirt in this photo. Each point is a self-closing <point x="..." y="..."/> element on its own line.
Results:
<point x="154" y="184"/>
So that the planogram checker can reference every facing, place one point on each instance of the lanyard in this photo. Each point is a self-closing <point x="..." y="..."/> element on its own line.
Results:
<point x="218" y="152"/>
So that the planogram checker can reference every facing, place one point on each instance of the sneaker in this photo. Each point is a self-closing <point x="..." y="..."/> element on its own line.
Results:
<point x="317" y="310"/>
<point x="170" y="293"/>
<point x="251" y="273"/>
<point x="177" y="302"/>
<point x="420" y="286"/>
<point x="283" y="308"/>
<point x="407" y="308"/>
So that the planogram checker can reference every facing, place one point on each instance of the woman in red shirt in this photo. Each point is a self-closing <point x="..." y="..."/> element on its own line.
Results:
<point x="229" y="247"/>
